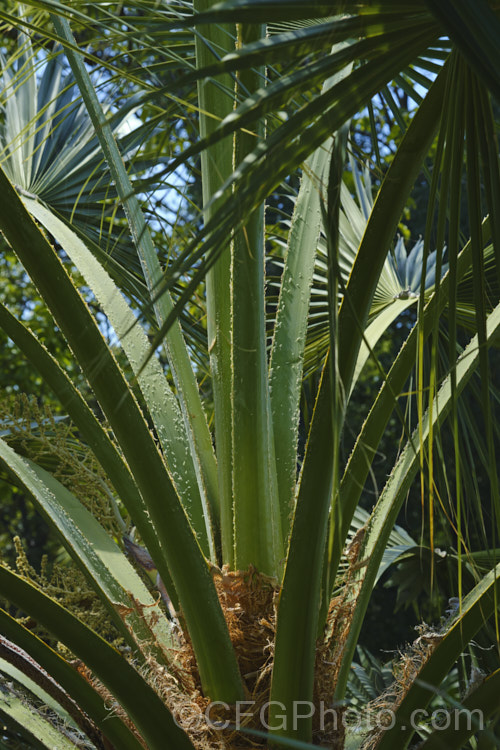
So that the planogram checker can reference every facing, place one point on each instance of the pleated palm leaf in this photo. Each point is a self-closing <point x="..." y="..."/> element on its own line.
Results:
<point x="49" y="146"/>
<point x="50" y="152"/>
<point x="400" y="280"/>
<point x="258" y="588"/>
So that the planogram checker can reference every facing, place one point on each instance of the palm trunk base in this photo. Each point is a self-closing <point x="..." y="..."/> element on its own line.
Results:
<point x="249" y="602"/>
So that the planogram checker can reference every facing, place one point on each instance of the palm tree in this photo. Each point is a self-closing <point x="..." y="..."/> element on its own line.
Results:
<point x="219" y="570"/>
